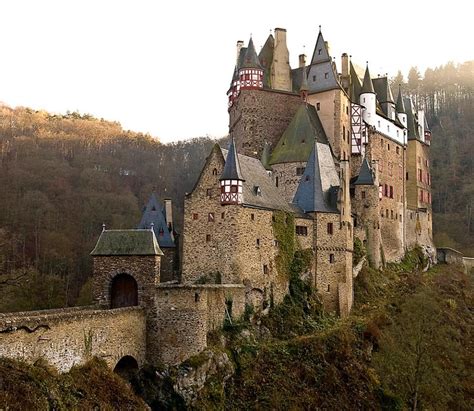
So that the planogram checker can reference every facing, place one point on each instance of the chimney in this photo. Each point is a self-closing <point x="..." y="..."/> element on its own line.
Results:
<point x="240" y="44"/>
<point x="280" y="36"/>
<point x="302" y="60"/>
<point x="345" y="65"/>
<point x="169" y="215"/>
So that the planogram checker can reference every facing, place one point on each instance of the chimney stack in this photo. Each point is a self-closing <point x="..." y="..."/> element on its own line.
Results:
<point x="302" y="60"/>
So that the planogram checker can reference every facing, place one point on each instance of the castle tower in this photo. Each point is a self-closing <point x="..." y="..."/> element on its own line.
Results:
<point x="250" y="72"/>
<point x="231" y="178"/>
<point x="367" y="99"/>
<point x="280" y="71"/>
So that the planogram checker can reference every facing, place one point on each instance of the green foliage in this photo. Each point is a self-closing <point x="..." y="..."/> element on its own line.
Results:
<point x="85" y="295"/>
<point x="359" y="251"/>
<point x="39" y="387"/>
<point x="284" y="229"/>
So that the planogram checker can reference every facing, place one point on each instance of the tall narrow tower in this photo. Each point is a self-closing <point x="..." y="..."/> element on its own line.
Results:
<point x="231" y="178"/>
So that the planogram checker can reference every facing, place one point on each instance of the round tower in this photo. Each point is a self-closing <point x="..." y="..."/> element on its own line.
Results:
<point x="367" y="99"/>
<point x="231" y="178"/>
<point x="250" y="72"/>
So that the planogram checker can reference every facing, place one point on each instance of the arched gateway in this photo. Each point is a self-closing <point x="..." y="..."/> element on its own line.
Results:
<point x="123" y="291"/>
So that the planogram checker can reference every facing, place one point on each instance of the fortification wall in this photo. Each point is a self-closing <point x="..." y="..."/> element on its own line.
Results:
<point x="418" y="225"/>
<point x="258" y="116"/>
<point x="288" y="180"/>
<point x="187" y="313"/>
<point x="69" y="337"/>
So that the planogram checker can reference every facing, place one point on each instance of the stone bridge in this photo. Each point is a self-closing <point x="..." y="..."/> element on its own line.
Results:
<point x="68" y="337"/>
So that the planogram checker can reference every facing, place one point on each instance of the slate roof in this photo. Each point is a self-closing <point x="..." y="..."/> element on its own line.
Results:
<point x="319" y="185"/>
<point x="232" y="166"/>
<point x="356" y="85"/>
<point x="250" y="57"/>
<point x="367" y="86"/>
<point x="266" y="60"/>
<point x="127" y="242"/>
<point x="154" y="213"/>
<point x="411" y="120"/>
<point x="297" y="141"/>
<point x="320" y="45"/>
<point x="400" y="106"/>
<point x="365" y="174"/>
<point x="255" y="176"/>
<point x="383" y="90"/>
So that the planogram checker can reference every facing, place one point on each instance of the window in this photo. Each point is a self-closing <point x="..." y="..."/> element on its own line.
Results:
<point x="388" y="128"/>
<point x="195" y="216"/>
<point x="299" y="171"/>
<point x="420" y="175"/>
<point x="214" y="172"/>
<point x="378" y="123"/>
<point x="362" y="194"/>
<point x="347" y="110"/>
<point x="419" y="160"/>
<point x="330" y="228"/>
<point x="326" y="75"/>
<point x="331" y="258"/>
<point x="318" y="106"/>
<point x="276" y="181"/>
<point x="314" y="78"/>
<point x="252" y="217"/>
<point x="208" y="238"/>
<point x="391" y="214"/>
<point x="329" y="288"/>
<point x="276" y="243"/>
<point x="222" y="215"/>
<point x="265" y="269"/>
<point x="388" y="147"/>
<point x="398" y="150"/>
<point x="210" y="217"/>
<point x="385" y="190"/>
<point x="301" y="230"/>
<point x="258" y="242"/>
<point x="209" y="192"/>
<point x="233" y="189"/>
<point x="319" y="51"/>
<point x="196" y="297"/>
<point x="344" y="133"/>
<point x="386" y="213"/>
<point x="391" y="191"/>
<point x="407" y="175"/>
<point x="381" y="142"/>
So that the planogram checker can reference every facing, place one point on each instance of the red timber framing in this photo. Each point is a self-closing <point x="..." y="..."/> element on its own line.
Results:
<point x="358" y="130"/>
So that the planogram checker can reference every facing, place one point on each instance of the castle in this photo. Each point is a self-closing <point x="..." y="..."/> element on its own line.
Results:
<point x="330" y="156"/>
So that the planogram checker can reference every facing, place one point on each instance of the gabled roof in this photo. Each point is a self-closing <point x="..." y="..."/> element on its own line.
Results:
<point x="127" y="242"/>
<point x="153" y="213"/>
<point x="400" y="106"/>
<point x="250" y="58"/>
<point x="383" y="90"/>
<point x="258" y="189"/>
<point x="232" y="166"/>
<point x="319" y="185"/>
<point x="367" y="86"/>
<point x="321" y="52"/>
<point x="298" y="139"/>
<point x="266" y="59"/>
<point x="365" y="174"/>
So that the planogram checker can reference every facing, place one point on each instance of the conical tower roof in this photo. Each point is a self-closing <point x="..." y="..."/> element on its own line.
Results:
<point x="250" y="58"/>
<point x="297" y="141"/>
<point x="232" y="166"/>
<point x="319" y="185"/>
<point x="400" y="106"/>
<point x="365" y="174"/>
<point x="153" y="216"/>
<point x="367" y="86"/>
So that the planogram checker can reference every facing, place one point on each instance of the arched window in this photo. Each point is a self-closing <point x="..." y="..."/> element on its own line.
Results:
<point x="126" y="367"/>
<point x="123" y="291"/>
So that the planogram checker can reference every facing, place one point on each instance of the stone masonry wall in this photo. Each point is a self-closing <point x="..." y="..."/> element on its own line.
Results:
<point x="418" y="228"/>
<point x="68" y="337"/>
<point x="258" y="116"/>
<point x="417" y="159"/>
<point x="187" y="313"/>
<point x="389" y="157"/>
<point x="288" y="180"/>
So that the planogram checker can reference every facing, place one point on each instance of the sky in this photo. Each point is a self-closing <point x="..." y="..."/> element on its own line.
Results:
<point x="163" y="68"/>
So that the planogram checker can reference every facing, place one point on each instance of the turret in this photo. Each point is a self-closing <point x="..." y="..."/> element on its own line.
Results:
<point x="281" y="77"/>
<point x="231" y="178"/>
<point x="400" y="108"/>
<point x="250" y="72"/>
<point x="367" y="99"/>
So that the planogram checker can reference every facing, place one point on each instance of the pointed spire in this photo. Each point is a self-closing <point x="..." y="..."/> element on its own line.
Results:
<point x="400" y="107"/>
<point x="266" y="157"/>
<point x="250" y="58"/>
<point x="365" y="174"/>
<point x="321" y="52"/>
<point x="232" y="166"/>
<point x="367" y="86"/>
<point x="318" y="187"/>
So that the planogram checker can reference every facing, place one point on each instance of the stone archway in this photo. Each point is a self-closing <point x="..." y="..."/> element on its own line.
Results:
<point x="123" y="291"/>
<point x="127" y="367"/>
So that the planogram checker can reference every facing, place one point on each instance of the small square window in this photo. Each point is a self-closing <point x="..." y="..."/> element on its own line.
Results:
<point x="252" y="217"/>
<point x="195" y="216"/>
<point x="326" y="75"/>
<point x="208" y="238"/>
<point x="209" y="192"/>
<point x="362" y="194"/>
<point x="299" y="171"/>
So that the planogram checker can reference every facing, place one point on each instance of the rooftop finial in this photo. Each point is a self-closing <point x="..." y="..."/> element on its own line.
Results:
<point x="320" y="28"/>
<point x="152" y="224"/>
<point x="103" y="227"/>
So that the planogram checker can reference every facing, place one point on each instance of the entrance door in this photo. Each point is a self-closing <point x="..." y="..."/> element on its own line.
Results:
<point x="124" y="291"/>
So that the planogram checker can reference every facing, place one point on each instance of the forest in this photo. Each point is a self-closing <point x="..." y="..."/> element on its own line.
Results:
<point x="63" y="176"/>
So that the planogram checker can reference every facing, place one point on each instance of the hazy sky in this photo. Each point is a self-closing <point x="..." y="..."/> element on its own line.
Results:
<point x="164" y="67"/>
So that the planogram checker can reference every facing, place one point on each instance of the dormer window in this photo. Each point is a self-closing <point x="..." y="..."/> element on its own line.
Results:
<point x="326" y="75"/>
<point x="319" y="51"/>
<point x="257" y="190"/>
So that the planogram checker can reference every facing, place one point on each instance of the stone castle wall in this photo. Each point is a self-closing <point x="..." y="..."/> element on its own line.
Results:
<point x="67" y="337"/>
<point x="285" y="178"/>
<point x="417" y="160"/>
<point x="187" y="313"/>
<point x="418" y="228"/>
<point x="258" y="116"/>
